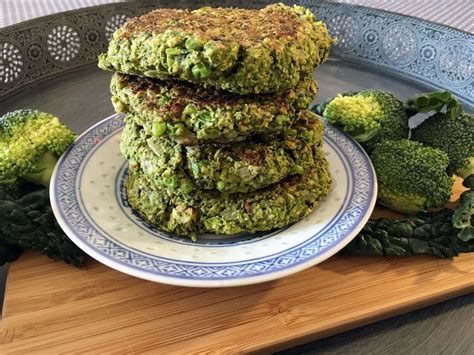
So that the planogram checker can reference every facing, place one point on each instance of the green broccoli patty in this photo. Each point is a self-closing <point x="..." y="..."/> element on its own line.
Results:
<point x="191" y="114"/>
<point x="242" y="167"/>
<point x="239" y="50"/>
<point x="212" y="212"/>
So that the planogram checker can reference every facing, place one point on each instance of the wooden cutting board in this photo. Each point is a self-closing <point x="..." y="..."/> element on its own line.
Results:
<point x="50" y="307"/>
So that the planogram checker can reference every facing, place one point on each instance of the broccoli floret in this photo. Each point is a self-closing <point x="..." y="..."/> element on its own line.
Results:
<point x="453" y="135"/>
<point x="368" y="116"/>
<point x="30" y="144"/>
<point x="411" y="177"/>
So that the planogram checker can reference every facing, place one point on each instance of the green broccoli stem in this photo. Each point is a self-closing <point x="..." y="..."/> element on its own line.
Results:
<point x="44" y="170"/>
<point x="27" y="221"/>
<point x="428" y="233"/>
<point x="467" y="170"/>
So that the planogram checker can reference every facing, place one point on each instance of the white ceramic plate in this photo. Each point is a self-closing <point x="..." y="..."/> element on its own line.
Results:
<point x="90" y="204"/>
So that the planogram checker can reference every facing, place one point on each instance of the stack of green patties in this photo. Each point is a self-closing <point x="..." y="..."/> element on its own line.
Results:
<point x="217" y="135"/>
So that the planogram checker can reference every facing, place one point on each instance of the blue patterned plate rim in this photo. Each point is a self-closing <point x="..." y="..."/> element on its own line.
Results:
<point x="70" y="215"/>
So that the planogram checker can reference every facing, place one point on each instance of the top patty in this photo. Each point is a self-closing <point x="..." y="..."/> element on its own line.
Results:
<point x="239" y="50"/>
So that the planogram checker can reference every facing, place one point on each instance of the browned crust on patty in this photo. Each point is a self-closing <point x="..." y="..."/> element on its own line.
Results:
<point x="246" y="26"/>
<point x="184" y="92"/>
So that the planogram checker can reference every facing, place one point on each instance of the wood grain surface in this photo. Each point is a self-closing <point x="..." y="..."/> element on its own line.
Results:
<point x="50" y="307"/>
<point x="439" y="329"/>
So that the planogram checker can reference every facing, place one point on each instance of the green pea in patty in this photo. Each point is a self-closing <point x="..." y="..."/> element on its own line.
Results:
<point x="212" y="212"/>
<point x="191" y="114"/>
<point x="242" y="167"/>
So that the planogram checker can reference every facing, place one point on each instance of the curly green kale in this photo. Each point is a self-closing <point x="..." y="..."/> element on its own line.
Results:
<point x="27" y="222"/>
<point x="444" y="233"/>
<point x="453" y="135"/>
<point x="411" y="177"/>
<point x="30" y="144"/>
<point x="427" y="233"/>
<point x="463" y="217"/>
<point x="369" y="116"/>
